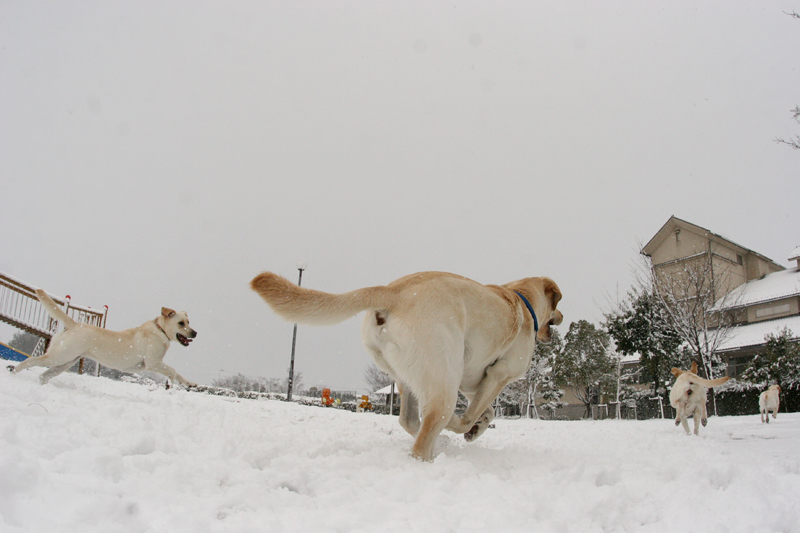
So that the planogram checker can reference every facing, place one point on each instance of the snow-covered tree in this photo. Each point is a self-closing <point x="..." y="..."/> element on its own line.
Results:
<point x="551" y="396"/>
<point x="238" y="383"/>
<point x="24" y="342"/>
<point x="241" y="383"/>
<point x="525" y="390"/>
<point x="620" y="381"/>
<point x="640" y="326"/>
<point x="780" y="362"/>
<point x="584" y="363"/>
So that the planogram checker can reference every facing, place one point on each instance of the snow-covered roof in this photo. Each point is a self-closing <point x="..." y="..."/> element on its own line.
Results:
<point x="387" y="389"/>
<point x="626" y="359"/>
<point x="775" y="286"/>
<point x="795" y="254"/>
<point x="753" y="334"/>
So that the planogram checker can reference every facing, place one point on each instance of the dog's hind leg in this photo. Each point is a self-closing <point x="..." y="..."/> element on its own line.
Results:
<point x="435" y="416"/>
<point x="59" y="357"/>
<point x="680" y="418"/>
<point x="53" y="371"/>
<point x="409" y="410"/>
<point x="703" y="414"/>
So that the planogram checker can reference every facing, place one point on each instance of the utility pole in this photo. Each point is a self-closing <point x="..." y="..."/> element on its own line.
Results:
<point x="301" y="265"/>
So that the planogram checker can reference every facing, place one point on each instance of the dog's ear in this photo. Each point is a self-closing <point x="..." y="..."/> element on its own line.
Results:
<point x="694" y="367"/>
<point x="552" y="292"/>
<point x="676" y="371"/>
<point x="166" y="312"/>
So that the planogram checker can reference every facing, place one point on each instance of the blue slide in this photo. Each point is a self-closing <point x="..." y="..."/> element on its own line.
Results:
<point x="10" y="354"/>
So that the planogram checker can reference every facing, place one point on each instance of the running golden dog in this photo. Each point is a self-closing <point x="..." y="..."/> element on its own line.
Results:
<point x="435" y="334"/>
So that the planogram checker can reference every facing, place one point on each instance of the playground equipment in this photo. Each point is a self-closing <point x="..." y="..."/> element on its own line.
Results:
<point x="327" y="401"/>
<point x="20" y="308"/>
<point x="11" y="354"/>
<point x="365" y="405"/>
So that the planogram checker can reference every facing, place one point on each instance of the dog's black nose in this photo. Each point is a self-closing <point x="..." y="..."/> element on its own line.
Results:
<point x="193" y="334"/>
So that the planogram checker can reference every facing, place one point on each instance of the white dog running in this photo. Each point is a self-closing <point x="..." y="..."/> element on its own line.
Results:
<point x="688" y="397"/>
<point x="769" y="400"/>
<point x="135" y="349"/>
<point x="435" y="334"/>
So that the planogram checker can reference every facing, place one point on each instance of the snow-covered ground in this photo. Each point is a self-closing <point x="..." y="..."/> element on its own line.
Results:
<point x="87" y="454"/>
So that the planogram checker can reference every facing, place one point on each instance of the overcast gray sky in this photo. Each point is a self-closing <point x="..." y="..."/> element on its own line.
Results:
<point x="164" y="153"/>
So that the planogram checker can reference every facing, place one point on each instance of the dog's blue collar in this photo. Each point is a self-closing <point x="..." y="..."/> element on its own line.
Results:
<point x="528" y="305"/>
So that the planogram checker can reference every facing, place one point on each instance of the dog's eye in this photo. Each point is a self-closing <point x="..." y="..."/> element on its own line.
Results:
<point x="181" y="324"/>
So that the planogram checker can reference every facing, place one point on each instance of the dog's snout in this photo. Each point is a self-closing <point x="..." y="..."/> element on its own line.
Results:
<point x="193" y="334"/>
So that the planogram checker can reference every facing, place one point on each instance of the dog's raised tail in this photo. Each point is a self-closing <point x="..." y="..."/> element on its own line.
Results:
<point x="316" y="308"/>
<point x="713" y="382"/>
<point x="53" y="309"/>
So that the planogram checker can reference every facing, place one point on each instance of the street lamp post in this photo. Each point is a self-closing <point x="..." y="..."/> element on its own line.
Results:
<point x="301" y="265"/>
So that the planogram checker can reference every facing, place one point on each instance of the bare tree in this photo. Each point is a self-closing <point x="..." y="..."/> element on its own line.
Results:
<point x="689" y="291"/>
<point x="270" y="385"/>
<point x="376" y="378"/>
<point x="696" y="295"/>
<point x="238" y="382"/>
<point x="297" y="381"/>
<point x="794" y="142"/>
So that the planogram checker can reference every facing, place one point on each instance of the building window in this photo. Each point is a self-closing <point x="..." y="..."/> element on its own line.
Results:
<point x="772" y="311"/>
<point x="737" y="365"/>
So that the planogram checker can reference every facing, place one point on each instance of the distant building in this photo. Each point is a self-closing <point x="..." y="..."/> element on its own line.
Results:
<point x="760" y="307"/>
<point x="758" y="295"/>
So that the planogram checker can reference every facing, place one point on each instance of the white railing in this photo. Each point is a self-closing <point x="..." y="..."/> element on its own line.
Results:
<point x="20" y="308"/>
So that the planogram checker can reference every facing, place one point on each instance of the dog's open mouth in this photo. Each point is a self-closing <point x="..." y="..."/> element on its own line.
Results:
<point x="183" y="340"/>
